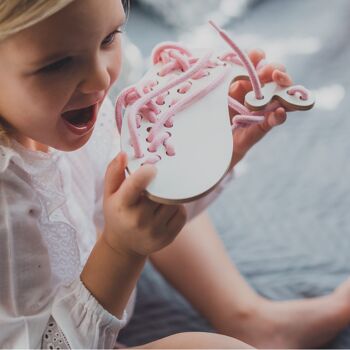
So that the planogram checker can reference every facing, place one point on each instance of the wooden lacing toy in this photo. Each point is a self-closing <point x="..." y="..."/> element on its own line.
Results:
<point x="177" y="117"/>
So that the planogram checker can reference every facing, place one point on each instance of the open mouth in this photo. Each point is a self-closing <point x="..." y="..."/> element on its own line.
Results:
<point x="81" y="121"/>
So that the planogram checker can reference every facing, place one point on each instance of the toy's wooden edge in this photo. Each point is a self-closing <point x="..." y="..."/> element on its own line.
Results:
<point x="186" y="200"/>
<point x="289" y="106"/>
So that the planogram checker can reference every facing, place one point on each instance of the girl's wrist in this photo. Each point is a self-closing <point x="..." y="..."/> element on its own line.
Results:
<point x="120" y="251"/>
<point x="111" y="275"/>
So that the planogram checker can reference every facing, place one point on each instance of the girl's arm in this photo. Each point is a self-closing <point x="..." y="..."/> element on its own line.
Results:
<point x="135" y="227"/>
<point x="29" y="292"/>
<point x="111" y="276"/>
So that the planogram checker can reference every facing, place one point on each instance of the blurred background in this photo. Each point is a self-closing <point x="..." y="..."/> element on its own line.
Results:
<point x="285" y="218"/>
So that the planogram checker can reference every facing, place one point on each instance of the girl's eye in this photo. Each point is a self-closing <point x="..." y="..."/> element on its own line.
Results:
<point x="110" y="37"/>
<point x="56" y="66"/>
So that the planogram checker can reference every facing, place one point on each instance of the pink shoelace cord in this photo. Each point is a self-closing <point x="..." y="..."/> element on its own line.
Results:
<point x="144" y="101"/>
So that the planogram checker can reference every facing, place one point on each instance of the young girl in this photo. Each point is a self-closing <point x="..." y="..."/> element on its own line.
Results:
<point x="62" y="285"/>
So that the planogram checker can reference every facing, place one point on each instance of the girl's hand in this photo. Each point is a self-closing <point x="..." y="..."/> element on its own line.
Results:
<point x="133" y="223"/>
<point x="245" y="138"/>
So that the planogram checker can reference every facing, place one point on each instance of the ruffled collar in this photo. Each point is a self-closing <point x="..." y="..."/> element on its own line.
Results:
<point x="33" y="162"/>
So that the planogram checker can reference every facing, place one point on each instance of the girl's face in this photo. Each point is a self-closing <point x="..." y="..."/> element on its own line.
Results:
<point x="65" y="63"/>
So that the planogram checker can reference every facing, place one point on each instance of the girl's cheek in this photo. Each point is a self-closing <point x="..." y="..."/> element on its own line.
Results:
<point x="55" y="93"/>
<point x="116" y="63"/>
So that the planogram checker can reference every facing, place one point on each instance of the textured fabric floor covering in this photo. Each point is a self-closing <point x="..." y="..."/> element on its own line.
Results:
<point x="285" y="220"/>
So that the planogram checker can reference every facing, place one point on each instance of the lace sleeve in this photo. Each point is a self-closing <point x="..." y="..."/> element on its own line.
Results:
<point x="53" y="337"/>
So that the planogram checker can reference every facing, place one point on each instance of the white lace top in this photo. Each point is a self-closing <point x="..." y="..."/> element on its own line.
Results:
<point x="50" y="207"/>
<point x="50" y="211"/>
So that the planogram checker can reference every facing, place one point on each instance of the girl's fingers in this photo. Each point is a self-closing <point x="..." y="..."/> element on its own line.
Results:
<point x="266" y="72"/>
<point x="165" y="213"/>
<point x="148" y="205"/>
<point x="134" y="186"/>
<point x="272" y="120"/>
<point x="281" y="78"/>
<point x="256" y="56"/>
<point x="239" y="89"/>
<point x="178" y="220"/>
<point x="278" y="117"/>
<point x="115" y="174"/>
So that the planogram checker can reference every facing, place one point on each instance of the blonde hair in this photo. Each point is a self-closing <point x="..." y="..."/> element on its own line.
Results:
<point x="16" y="15"/>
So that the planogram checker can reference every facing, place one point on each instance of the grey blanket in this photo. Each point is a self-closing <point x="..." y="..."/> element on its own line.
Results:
<point x="285" y="220"/>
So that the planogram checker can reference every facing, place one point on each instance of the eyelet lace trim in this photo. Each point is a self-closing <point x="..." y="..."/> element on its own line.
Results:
<point x="45" y="178"/>
<point x="53" y="337"/>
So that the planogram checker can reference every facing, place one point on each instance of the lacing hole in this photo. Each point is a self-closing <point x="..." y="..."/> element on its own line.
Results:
<point x="170" y="126"/>
<point x="160" y="104"/>
<point x="160" y="158"/>
<point x="169" y="133"/>
<point x="150" y="150"/>
<point x="182" y="93"/>
<point x="170" y="155"/>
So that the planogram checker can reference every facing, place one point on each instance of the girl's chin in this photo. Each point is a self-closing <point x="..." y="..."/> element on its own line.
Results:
<point x="59" y="142"/>
<point x="73" y="144"/>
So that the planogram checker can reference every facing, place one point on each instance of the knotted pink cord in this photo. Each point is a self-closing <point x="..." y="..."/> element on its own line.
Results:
<point x="146" y="98"/>
<point x="299" y="89"/>
<point x="181" y="104"/>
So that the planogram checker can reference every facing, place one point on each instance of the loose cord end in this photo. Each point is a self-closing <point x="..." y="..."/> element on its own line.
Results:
<point x="214" y="26"/>
<point x="244" y="58"/>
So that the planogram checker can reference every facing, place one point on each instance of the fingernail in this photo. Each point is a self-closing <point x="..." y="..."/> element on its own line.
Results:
<point x="261" y="64"/>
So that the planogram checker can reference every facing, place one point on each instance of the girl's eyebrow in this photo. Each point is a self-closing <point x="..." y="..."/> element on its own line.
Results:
<point x="56" y="56"/>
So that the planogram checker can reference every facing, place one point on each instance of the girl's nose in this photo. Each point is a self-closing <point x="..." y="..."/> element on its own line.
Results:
<point x="97" y="78"/>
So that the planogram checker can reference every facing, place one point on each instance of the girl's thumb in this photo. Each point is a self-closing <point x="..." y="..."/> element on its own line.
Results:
<point x="115" y="174"/>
